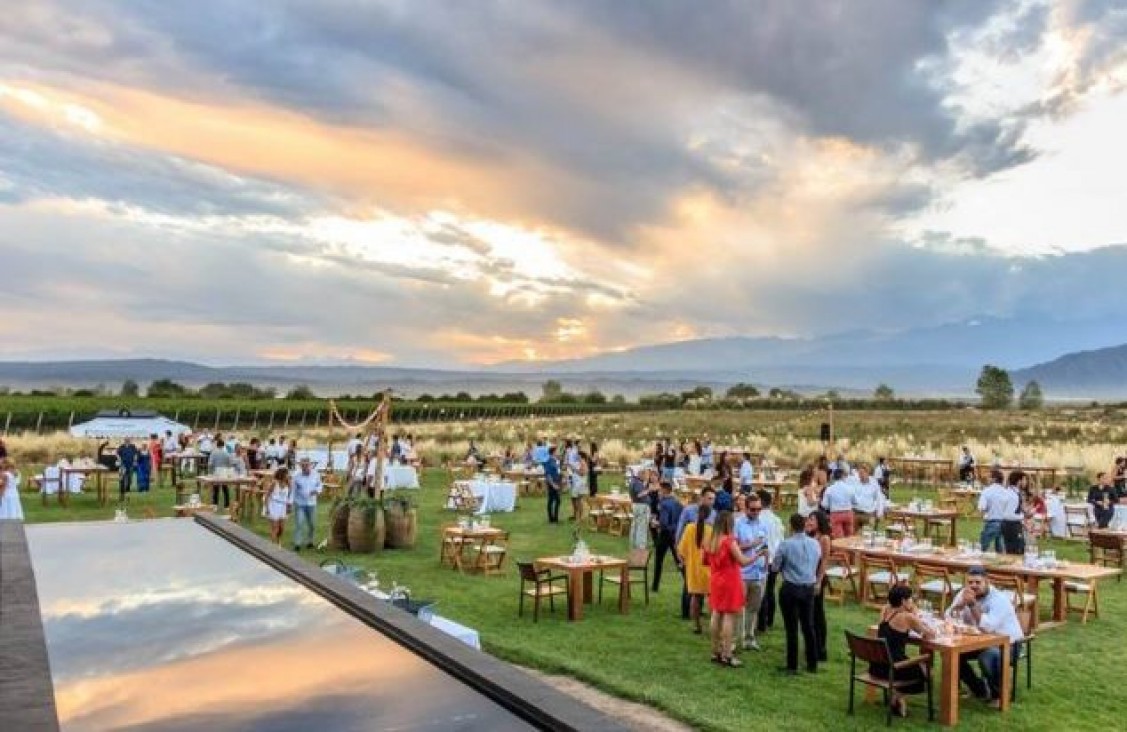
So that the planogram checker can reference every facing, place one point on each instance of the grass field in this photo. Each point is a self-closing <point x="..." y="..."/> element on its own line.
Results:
<point x="651" y="656"/>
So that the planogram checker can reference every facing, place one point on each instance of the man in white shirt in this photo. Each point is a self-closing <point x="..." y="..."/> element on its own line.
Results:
<point x="838" y="501"/>
<point x="747" y="474"/>
<point x="706" y="456"/>
<point x="775" y="535"/>
<point x="205" y="444"/>
<point x="306" y="487"/>
<point x="868" y="498"/>
<point x="996" y="504"/>
<point x="983" y="607"/>
<point x="354" y="445"/>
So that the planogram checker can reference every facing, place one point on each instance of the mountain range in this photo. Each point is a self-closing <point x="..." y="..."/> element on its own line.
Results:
<point x="1068" y="359"/>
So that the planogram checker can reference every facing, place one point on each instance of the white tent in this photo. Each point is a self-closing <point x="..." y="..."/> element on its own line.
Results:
<point x="121" y="427"/>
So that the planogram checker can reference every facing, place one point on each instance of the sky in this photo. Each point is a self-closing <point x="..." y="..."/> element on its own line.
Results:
<point x="447" y="184"/>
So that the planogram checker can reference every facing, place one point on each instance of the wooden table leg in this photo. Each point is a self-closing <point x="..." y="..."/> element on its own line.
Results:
<point x="588" y="588"/>
<point x="949" y="688"/>
<point x="1007" y="678"/>
<point x="575" y="601"/>
<point x="1060" y="614"/>
<point x="624" y="591"/>
<point x="954" y="538"/>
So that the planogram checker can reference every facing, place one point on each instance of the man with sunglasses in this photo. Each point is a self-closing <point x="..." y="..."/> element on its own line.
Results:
<point x="751" y="535"/>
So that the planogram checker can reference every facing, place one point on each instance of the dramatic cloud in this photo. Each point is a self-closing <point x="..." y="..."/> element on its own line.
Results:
<point x="444" y="183"/>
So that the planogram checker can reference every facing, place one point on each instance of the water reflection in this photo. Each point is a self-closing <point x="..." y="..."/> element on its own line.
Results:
<point x="162" y="624"/>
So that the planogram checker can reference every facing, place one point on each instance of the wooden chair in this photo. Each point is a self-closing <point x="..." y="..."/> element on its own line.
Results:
<point x="52" y="484"/>
<point x="935" y="580"/>
<point x="543" y="585"/>
<point x="491" y="553"/>
<point x="1107" y="551"/>
<point x="938" y="529"/>
<point x="879" y="572"/>
<point x="1013" y="587"/>
<point x="1089" y="591"/>
<point x="1078" y="521"/>
<point x="841" y="576"/>
<point x="875" y="650"/>
<point x="461" y="498"/>
<point x="637" y="562"/>
<point x="901" y="527"/>
<point x="620" y="522"/>
<point x="450" y="548"/>
<point x="1028" y="621"/>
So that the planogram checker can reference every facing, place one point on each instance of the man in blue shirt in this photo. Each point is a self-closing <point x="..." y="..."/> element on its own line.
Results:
<point x="797" y="561"/>
<point x="540" y="453"/>
<point x="751" y="535"/>
<point x="553" y="479"/>
<point x="127" y="455"/>
<point x="668" y="515"/>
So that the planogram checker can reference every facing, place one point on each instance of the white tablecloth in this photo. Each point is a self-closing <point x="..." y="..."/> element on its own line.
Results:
<point x="400" y="476"/>
<point x="1058" y="522"/>
<point x="494" y="497"/>
<point x="1119" y="520"/>
<point x="469" y="636"/>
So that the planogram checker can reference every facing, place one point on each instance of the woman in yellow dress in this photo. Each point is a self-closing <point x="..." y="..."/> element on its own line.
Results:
<point x="696" y="536"/>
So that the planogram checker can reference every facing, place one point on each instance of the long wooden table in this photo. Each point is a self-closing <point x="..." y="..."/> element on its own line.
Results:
<point x="99" y="472"/>
<point x="581" y="581"/>
<point x="460" y="538"/>
<point x="922" y="469"/>
<point x="1002" y="564"/>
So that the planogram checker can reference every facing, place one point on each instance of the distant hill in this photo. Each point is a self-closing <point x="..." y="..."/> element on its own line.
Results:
<point x="1101" y="373"/>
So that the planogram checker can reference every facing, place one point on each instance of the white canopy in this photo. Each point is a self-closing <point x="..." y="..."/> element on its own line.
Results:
<point x="120" y="427"/>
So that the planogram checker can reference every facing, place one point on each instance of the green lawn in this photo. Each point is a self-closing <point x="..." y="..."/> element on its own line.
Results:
<point x="651" y="656"/>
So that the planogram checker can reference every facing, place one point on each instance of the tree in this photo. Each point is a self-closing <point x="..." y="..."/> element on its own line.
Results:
<point x="884" y="393"/>
<point x="551" y="391"/>
<point x="742" y="391"/>
<point x="702" y="393"/>
<point x="618" y="399"/>
<point x="130" y="388"/>
<point x="515" y="397"/>
<point x="425" y="398"/>
<point x="166" y="388"/>
<point x="300" y="392"/>
<point x="594" y="397"/>
<point x="1031" y="397"/>
<point x="995" y="388"/>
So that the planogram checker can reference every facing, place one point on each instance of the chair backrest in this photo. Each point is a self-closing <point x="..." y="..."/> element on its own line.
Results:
<point x="1076" y="515"/>
<point x="528" y="572"/>
<point x="1008" y="583"/>
<point x="872" y="650"/>
<point x="1105" y="542"/>
<point x="840" y="558"/>
<point x="879" y="563"/>
<point x="928" y="571"/>
<point x="1025" y="619"/>
<point x="638" y="558"/>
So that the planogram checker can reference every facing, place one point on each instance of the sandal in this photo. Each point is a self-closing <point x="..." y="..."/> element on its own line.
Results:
<point x="717" y="658"/>
<point x="732" y="662"/>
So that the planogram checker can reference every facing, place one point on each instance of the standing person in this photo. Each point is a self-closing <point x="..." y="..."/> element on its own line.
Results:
<point x="278" y="504"/>
<point x="883" y="475"/>
<point x="775" y="535"/>
<point x="291" y="454"/>
<point x="156" y="455"/>
<point x="668" y="515"/>
<point x="797" y="561"/>
<point x="809" y="492"/>
<point x="593" y="470"/>
<point x="553" y="479"/>
<point x="725" y="589"/>
<point x="127" y="455"/>
<point x="578" y="477"/>
<point x="838" y="500"/>
<point x="818" y="528"/>
<point x="697" y="576"/>
<point x="3" y="449"/>
<point x="986" y="608"/>
<point x="220" y="461"/>
<point x="868" y="499"/>
<point x="996" y="503"/>
<point x="669" y="463"/>
<point x="751" y="536"/>
<point x="306" y="487"/>
<point x="747" y="475"/>
<point x="1013" y="524"/>
<point x="144" y="467"/>
<point x="1102" y="497"/>
<point x="10" y="506"/>
<point x="640" y="490"/>
<point x="689" y="516"/>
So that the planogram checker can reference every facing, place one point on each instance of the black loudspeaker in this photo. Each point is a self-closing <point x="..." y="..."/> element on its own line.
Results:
<point x="825" y="431"/>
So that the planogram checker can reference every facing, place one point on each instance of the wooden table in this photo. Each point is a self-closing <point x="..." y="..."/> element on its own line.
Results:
<point x="1036" y="473"/>
<point x="479" y="534"/>
<point x="185" y="510"/>
<point x="241" y="483"/>
<point x="1002" y="564"/>
<point x="581" y="581"/>
<point x="928" y="516"/>
<point x="923" y="469"/>
<point x="99" y="472"/>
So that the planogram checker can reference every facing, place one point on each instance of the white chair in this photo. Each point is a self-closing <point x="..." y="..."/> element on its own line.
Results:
<point x="75" y="481"/>
<point x="52" y="480"/>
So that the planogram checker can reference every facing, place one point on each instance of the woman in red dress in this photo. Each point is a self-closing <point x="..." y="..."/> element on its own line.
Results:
<point x="726" y="589"/>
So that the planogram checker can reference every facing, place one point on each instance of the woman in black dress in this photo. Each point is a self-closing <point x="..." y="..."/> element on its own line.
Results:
<point x="897" y="620"/>
<point x="593" y="470"/>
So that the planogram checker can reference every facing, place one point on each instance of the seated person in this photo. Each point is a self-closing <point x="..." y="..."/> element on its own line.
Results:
<point x="1103" y="497"/>
<point x="981" y="606"/>
<point x="898" y="620"/>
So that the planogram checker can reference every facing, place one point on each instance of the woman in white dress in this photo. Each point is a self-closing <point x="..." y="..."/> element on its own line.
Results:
<point x="278" y="500"/>
<point x="578" y="477"/>
<point x="10" y="506"/>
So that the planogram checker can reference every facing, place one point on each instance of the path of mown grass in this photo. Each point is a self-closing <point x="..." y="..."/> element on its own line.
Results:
<point x="650" y="655"/>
